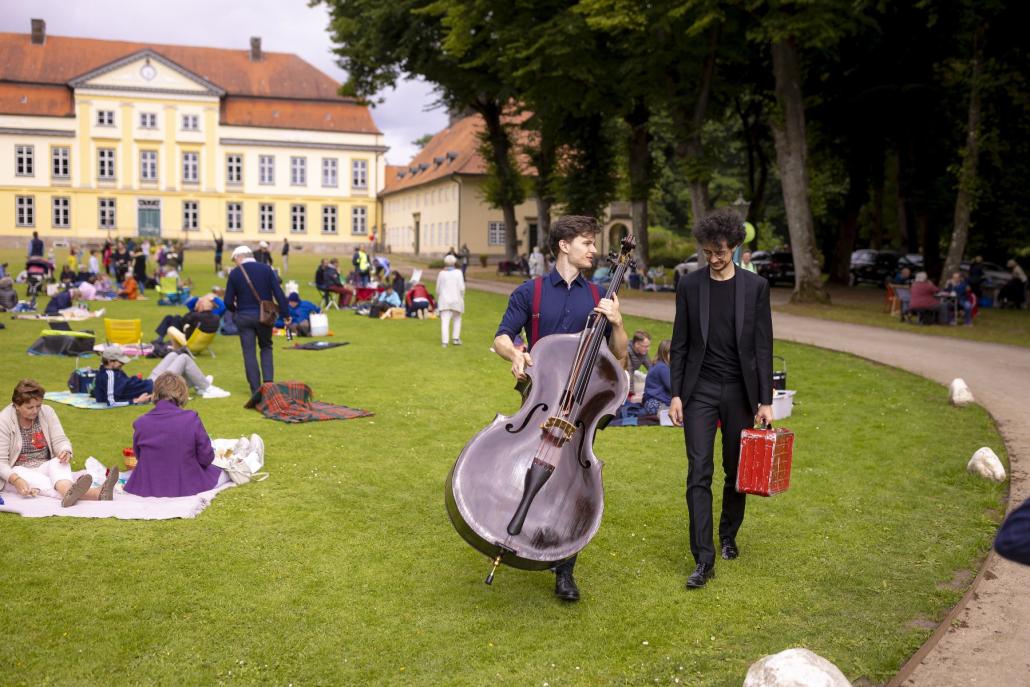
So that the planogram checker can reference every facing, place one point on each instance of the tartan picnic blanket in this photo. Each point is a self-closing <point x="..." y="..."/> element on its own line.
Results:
<point x="292" y="402"/>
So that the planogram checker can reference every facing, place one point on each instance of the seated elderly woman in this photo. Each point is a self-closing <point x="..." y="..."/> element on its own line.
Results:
<point x="35" y="454"/>
<point x="658" y="385"/>
<point x="112" y="385"/>
<point x="173" y="451"/>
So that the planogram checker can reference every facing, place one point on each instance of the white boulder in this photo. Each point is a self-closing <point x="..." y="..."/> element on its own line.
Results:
<point x="794" y="668"/>
<point x="986" y="463"/>
<point x="959" y="393"/>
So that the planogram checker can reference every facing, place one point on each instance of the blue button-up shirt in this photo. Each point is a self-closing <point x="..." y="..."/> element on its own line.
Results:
<point x="563" y="309"/>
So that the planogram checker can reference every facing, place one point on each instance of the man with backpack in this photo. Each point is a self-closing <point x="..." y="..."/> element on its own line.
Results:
<point x="560" y="302"/>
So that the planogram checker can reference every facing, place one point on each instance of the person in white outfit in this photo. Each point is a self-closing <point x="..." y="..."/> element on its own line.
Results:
<point x="450" y="300"/>
<point x="536" y="263"/>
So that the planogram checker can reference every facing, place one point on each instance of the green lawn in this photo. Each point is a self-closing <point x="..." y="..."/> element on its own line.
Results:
<point x="343" y="568"/>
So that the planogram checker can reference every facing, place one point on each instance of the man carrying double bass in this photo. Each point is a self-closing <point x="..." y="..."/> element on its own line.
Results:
<point x="566" y="301"/>
<point x="721" y="371"/>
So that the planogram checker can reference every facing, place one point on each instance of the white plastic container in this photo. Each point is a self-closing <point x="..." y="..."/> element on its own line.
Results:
<point x="783" y="404"/>
<point x="319" y="324"/>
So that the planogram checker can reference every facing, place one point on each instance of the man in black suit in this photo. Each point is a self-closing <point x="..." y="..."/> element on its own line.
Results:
<point x="721" y="371"/>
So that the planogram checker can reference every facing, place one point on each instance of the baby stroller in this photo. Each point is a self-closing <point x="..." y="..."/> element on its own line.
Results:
<point x="37" y="273"/>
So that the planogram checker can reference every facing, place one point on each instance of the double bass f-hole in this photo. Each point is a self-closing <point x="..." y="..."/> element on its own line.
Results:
<point x="529" y="416"/>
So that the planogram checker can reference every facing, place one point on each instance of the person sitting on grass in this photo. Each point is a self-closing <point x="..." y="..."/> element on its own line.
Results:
<point x="112" y="385"/>
<point x="130" y="289"/>
<point x="62" y="301"/>
<point x="173" y="450"/>
<point x="418" y="302"/>
<point x="202" y="317"/>
<point x="658" y="385"/>
<point x="35" y="454"/>
<point x="300" y="315"/>
<point x="8" y="296"/>
<point x="384" y="301"/>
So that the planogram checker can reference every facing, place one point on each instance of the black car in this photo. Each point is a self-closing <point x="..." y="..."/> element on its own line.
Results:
<point x="777" y="266"/>
<point x="873" y="266"/>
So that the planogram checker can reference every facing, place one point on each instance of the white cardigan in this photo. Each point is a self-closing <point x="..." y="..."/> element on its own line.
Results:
<point x="450" y="290"/>
<point x="10" y="438"/>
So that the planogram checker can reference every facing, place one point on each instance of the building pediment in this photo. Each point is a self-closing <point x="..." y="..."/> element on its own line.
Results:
<point x="145" y="71"/>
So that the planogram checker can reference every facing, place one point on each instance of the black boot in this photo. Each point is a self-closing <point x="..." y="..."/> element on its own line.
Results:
<point x="702" y="573"/>
<point x="729" y="548"/>
<point x="565" y="586"/>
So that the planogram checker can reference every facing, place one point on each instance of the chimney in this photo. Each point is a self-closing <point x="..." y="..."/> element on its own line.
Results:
<point x="38" y="32"/>
<point x="255" y="48"/>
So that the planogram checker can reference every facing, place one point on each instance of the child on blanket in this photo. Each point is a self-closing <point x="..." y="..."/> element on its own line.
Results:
<point x="173" y="451"/>
<point x="35" y="454"/>
<point x="112" y="385"/>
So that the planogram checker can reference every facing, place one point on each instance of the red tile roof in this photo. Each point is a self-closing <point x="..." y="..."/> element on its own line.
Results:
<point x="455" y="150"/>
<point x="280" y="76"/>
<point x="32" y="99"/>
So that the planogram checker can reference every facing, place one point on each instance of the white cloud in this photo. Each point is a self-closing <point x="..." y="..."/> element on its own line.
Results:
<point x="284" y="26"/>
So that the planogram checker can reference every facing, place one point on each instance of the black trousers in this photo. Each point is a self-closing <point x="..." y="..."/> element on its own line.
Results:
<point x="711" y="402"/>
<point x="169" y="321"/>
<point x="252" y="330"/>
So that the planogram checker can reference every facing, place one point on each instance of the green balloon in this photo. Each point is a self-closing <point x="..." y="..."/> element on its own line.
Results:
<point x="749" y="232"/>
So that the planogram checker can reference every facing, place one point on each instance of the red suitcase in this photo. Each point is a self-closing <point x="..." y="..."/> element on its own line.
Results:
<point x="765" y="456"/>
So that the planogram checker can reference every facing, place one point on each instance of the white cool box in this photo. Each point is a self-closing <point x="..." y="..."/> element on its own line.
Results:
<point x="783" y="403"/>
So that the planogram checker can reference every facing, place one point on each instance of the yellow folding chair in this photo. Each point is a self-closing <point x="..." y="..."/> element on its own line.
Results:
<point x="124" y="332"/>
<point x="200" y="341"/>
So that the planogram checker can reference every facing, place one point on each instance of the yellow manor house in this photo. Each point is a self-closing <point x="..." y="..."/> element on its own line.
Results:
<point x="108" y="138"/>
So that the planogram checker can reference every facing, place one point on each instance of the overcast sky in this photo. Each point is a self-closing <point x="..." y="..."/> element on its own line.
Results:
<point x="284" y="26"/>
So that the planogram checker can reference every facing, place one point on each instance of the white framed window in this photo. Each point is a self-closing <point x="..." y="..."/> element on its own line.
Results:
<point x="61" y="211"/>
<point x="266" y="169"/>
<point x="148" y="165"/>
<point x="60" y="162"/>
<point x="25" y="211"/>
<point x="148" y="120"/>
<point x="105" y="207"/>
<point x="299" y="171"/>
<point x="191" y="122"/>
<point x="495" y="233"/>
<point x="358" y="220"/>
<point x="267" y="216"/>
<point x="328" y="219"/>
<point x="191" y="168"/>
<point x="105" y="117"/>
<point x="234" y="168"/>
<point x="105" y="163"/>
<point x="298" y="219"/>
<point x="190" y="215"/>
<point x="329" y="167"/>
<point x="24" y="161"/>
<point x="234" y="216"/>
<point x="359" y="174"/>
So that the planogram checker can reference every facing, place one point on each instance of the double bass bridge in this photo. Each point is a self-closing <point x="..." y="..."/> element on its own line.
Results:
<point x="564" y="427"/>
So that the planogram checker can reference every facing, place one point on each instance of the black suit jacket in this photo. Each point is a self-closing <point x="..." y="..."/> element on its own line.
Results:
<point x="753" y="320"/>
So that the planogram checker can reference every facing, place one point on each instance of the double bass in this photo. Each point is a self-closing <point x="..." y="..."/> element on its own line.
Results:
<point x="526" y="490"/>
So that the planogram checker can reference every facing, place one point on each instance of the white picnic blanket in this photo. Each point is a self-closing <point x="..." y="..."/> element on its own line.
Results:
<point x="124" y="506"/>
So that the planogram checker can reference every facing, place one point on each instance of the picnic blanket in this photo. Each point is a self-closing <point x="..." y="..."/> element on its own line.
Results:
<point x="67" y="315"/>
<point x="130" y="350"/>
<point x="124" y="506"/>
<point x="84" y="401"/>
<point x="318" y="345"/>
<point x="293" y="402"/>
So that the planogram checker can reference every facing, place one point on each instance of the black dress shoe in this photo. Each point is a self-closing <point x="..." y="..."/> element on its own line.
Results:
<point x="565" y="587"/>
<point x="729" y="549"/>
<point x="702" y="573"/>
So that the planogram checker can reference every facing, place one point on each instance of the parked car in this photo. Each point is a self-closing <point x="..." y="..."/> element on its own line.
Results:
<point x="777" y="266"/>
<point x="995" y="276"/>
<point x="873" y="266"/>
<point x="689" y="265"/>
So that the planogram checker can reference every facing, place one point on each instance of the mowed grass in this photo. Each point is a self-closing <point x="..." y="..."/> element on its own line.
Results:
<point x="343" y="569"/>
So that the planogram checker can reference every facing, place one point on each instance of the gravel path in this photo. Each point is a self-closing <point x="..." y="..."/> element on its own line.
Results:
<point x="986" y="638"/>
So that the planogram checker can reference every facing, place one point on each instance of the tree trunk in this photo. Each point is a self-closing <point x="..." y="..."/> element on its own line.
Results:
<point x="840" y="270"/>
<point x="789" y="135"/>
<point x="544" y="159"/>
<point x="508" y="179"/>
<point x="876" y="234"/>
<point x="965" y="198"/>
<point x="640" y="176"/>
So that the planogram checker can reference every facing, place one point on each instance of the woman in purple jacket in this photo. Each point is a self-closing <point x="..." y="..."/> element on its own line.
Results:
<point x="172" y="447"/>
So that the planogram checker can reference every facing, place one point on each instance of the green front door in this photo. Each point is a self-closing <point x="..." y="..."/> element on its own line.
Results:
<point x="150" y="222"/>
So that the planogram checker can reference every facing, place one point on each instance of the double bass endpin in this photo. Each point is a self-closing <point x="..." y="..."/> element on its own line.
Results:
<point x="493" y="569"/>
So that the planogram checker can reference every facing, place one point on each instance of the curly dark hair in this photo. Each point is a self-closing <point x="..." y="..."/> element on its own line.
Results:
<point x="722" y="225"/>
<point x="568" y="227"/>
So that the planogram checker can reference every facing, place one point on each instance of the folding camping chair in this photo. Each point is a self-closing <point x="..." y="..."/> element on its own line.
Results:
<point x="200" y="341"/>
<point x="170" y="290"/>
<point x="124" y="332"/>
